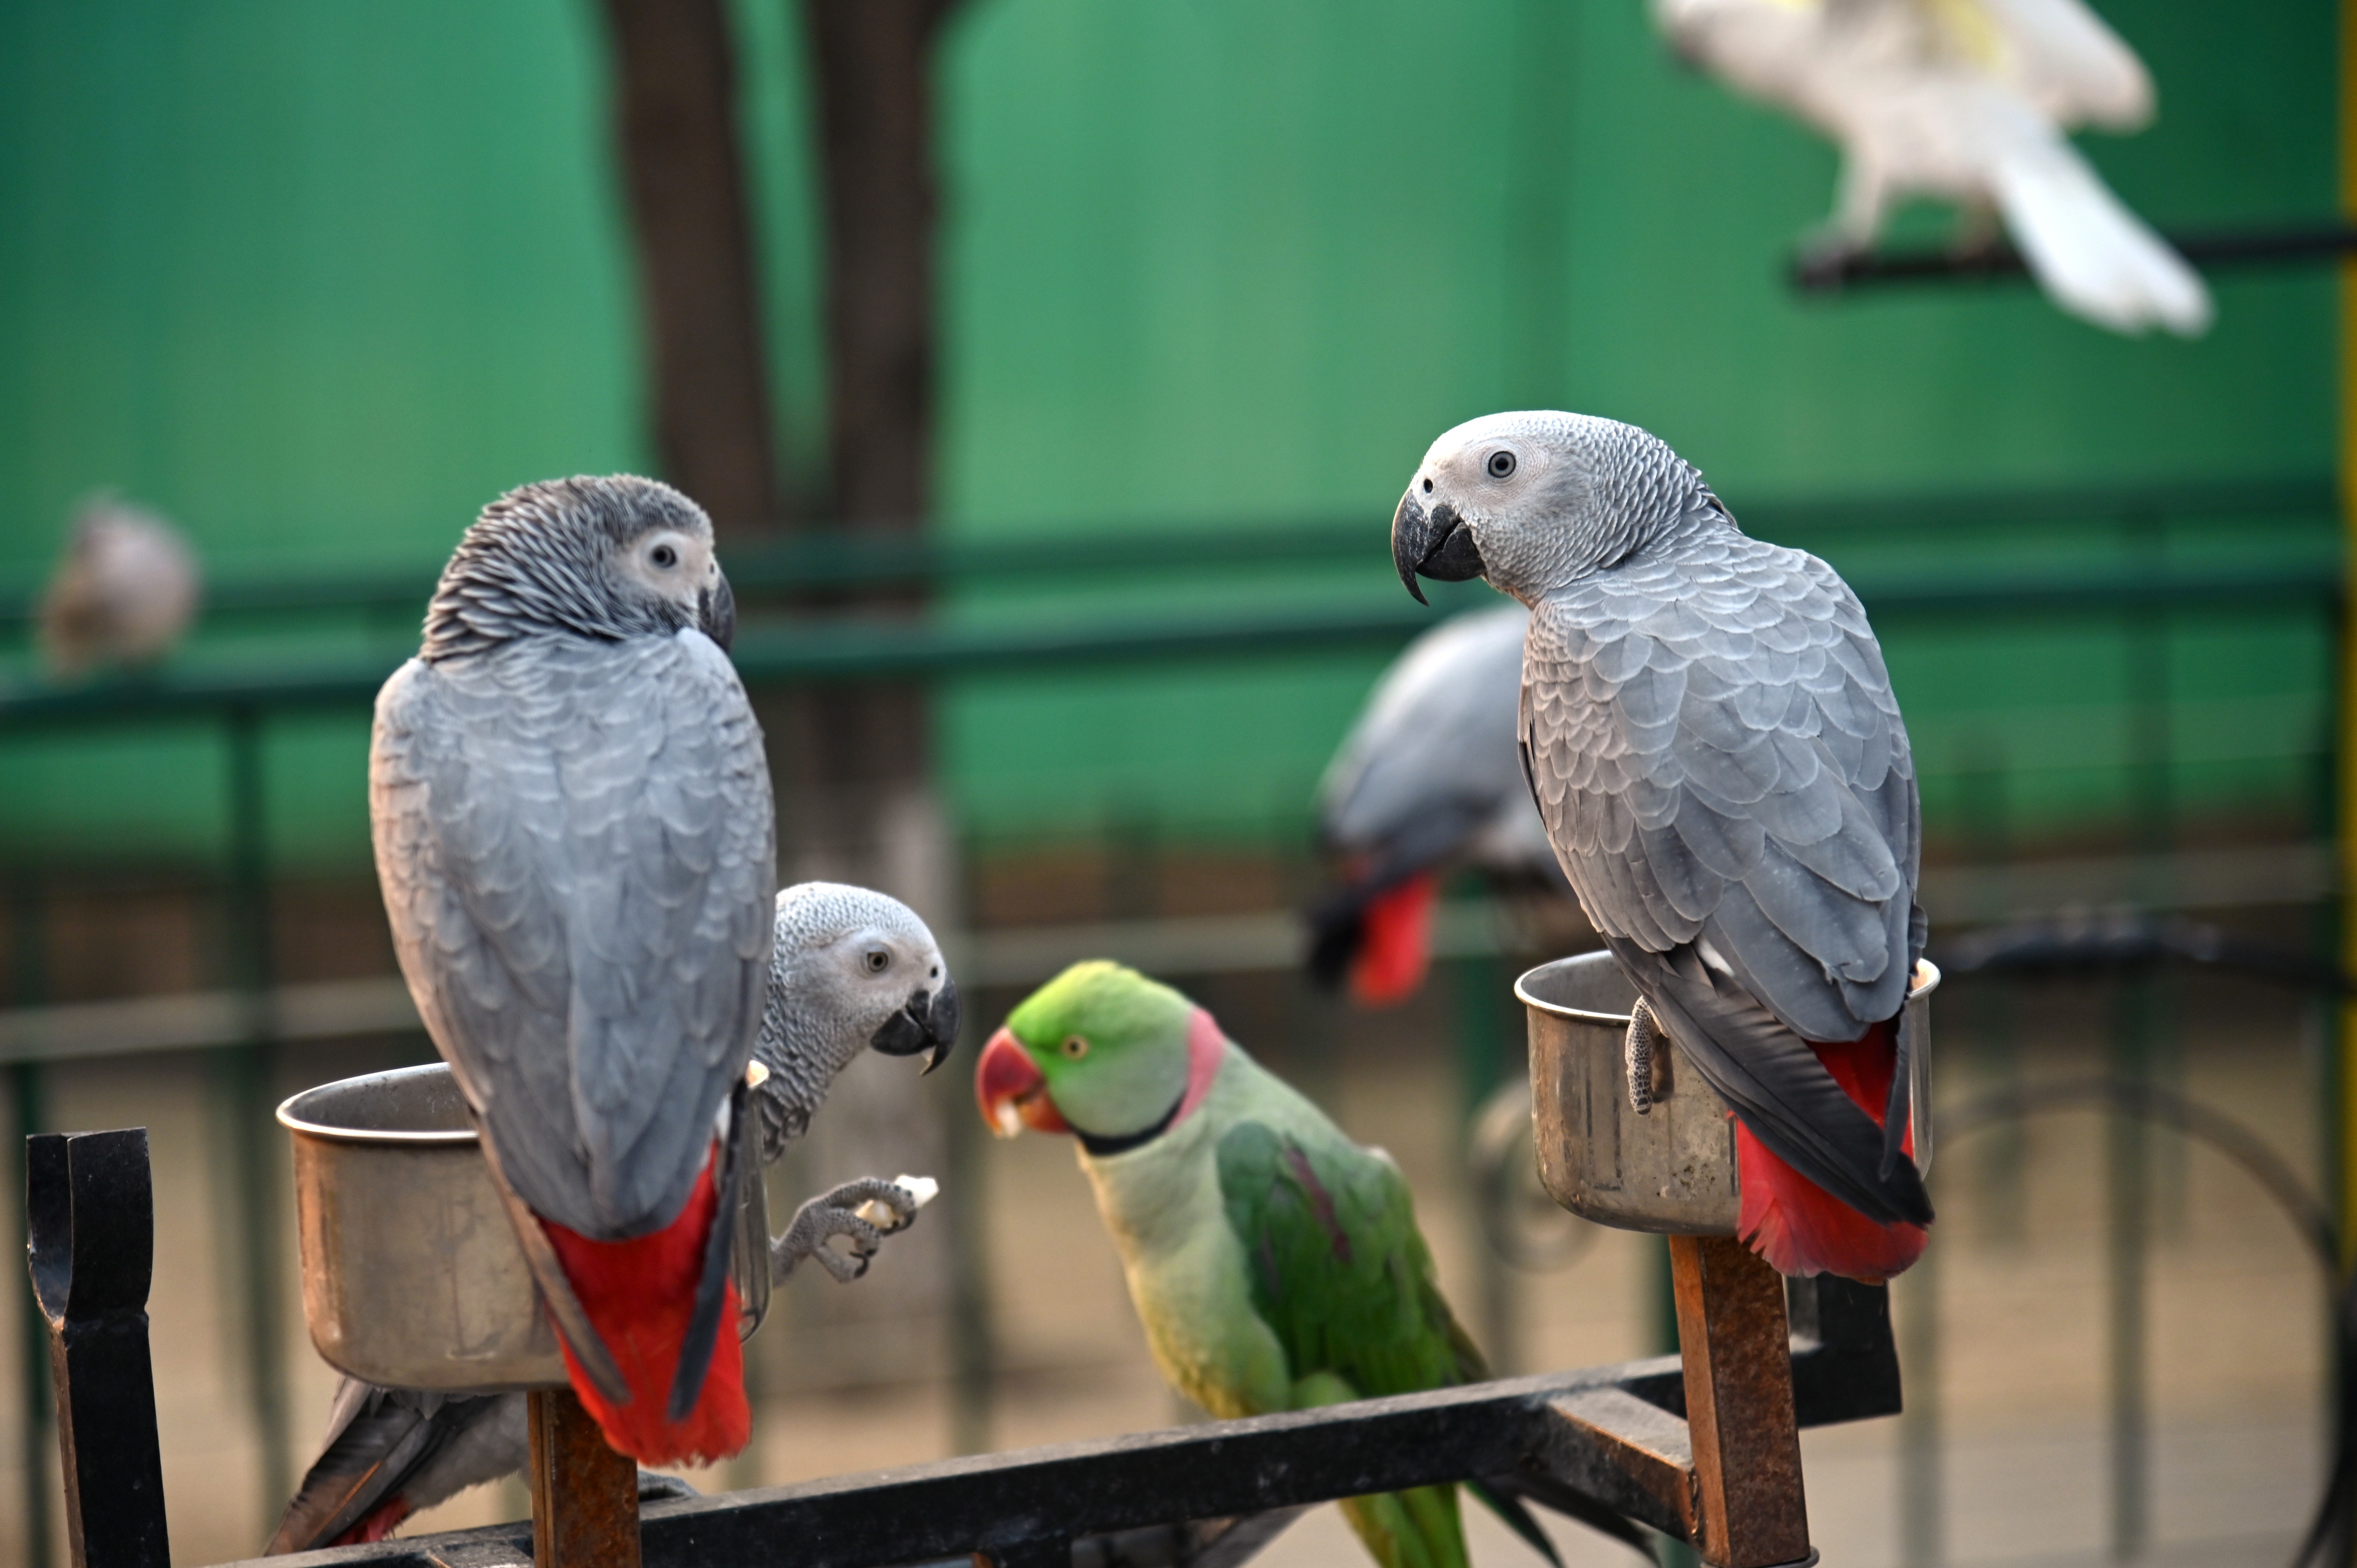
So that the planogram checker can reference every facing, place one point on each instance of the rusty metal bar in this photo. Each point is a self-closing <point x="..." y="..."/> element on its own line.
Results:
<point x="585" y="1497"/>
<point x="1740" y="1412"/>
<point x="91" y="1218"/>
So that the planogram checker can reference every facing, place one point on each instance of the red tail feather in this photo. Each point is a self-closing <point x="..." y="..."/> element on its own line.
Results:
<point x="639" y="1294"/>
<point x="1397" y="944"/>
<point x="1795" y="1224"/>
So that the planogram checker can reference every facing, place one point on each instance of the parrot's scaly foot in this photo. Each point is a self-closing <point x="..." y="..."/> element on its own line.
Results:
<point x="1644" y="1038"/>
<point x="654" y="1486"/>
<point x="832" y="1214"/>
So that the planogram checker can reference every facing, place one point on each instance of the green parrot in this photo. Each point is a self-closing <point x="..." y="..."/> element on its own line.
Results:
<point x="1276" y="1264"/>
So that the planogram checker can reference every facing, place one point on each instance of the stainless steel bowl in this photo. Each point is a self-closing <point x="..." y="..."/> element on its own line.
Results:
<point x="411" y="1276"/>
<point x="1673" y="1169"/>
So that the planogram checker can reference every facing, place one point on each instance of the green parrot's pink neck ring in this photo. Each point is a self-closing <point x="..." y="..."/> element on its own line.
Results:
<point x="1206" y="1049"/>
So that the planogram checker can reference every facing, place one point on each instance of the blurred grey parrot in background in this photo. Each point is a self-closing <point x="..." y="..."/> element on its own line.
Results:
<point x="852" y="970"/>
<point x="575" y="843"/>
<point x="1710" y="735"/>
<point x="1427" y="778"/>
<point x="1963" y="100"/>
<point x="123" y="593"/>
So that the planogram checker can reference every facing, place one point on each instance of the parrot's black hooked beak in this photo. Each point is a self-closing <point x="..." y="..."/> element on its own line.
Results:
<point x="715" y="608"/>
<point x="1437" y="545"/>
<point x="928" y="1023"/>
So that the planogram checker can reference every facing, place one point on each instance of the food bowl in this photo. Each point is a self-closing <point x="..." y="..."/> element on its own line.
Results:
<point x="411" y="1275"/>
<point x="1672" y="1169"/>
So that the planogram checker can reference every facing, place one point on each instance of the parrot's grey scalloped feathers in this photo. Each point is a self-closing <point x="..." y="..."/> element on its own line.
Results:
<point x="574" y="837"/>
<point x="1713" y="742"/>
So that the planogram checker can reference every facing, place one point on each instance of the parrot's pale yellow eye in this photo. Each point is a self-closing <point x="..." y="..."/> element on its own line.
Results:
<point x="1075" y="1047"/>
<point x="878" y="961"/>
<point x="663" y="556"/>
<point x="1500" y="465"/>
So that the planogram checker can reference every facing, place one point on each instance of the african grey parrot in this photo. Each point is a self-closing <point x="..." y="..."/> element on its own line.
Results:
<point x="124" y="593"/>
<point x="1710" y="735"/>
<point x="1965" y="101"/>
<point x="1427" y="777"/>
<point x="575" y="839"/>
<point x="850" y="970"/>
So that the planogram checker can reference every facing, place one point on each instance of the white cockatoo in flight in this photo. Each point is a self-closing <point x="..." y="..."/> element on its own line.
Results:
<point x="1965" y="101"/>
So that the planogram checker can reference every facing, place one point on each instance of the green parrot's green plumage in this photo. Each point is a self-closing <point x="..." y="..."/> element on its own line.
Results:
<point x="1276" y="1264"/>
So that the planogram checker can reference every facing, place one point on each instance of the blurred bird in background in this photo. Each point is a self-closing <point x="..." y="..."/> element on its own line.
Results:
<point x="1427" y="779"/>
<point x="1965" y="100"/>
<point x="124" y="594"/>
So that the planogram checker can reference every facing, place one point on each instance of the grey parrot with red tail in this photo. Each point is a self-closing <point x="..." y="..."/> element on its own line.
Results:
<point x="1710" y="735"/>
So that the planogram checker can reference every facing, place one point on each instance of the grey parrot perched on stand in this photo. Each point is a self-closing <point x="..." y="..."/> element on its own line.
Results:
<point x="1710" y="735"/>
<point x="852" y="970"/>
<point x="1428" y="778"/>
<point x="575" y="844"/>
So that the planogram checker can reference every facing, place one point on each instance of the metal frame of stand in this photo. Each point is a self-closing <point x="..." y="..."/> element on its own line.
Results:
<point x="1605" y="1440"/>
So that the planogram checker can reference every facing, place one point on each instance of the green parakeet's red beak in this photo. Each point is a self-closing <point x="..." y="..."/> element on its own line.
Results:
<point x="1011" y="1091"/>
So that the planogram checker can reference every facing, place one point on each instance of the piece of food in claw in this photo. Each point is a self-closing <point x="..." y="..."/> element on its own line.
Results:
<point x="879" y="1214"/>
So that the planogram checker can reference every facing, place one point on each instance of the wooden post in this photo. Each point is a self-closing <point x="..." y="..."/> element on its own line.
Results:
<point x="585" y="1497"/>
<point x="1738" y="1367"/>
<point x="90" y="1208"/>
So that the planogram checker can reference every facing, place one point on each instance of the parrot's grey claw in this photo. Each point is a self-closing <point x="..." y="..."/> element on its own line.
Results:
<point x="1644" y="1038"/>
<point x="654" y="1486"/>
<point x="836" y="1213"/>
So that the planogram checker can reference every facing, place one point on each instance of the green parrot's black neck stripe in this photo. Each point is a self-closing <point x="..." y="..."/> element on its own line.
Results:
<point x="1121" y="1144"/>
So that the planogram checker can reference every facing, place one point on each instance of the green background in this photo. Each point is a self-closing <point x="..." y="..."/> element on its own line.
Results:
<point x="317" y="281"/>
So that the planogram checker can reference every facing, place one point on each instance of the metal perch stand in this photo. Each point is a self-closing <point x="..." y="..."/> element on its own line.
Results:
<point x="1670" y="1168"/>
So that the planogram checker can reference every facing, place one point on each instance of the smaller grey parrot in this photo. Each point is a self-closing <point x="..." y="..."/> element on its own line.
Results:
<point x="1709" y="733"/>
<point x="1428" y="778"/>
<point x="124" y="593"/>
<point x="852" y="971"/>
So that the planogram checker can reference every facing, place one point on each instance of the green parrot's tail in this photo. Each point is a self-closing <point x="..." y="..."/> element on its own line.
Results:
<point x="1415" y="1529"/>
<point x="1518" y="1520"/>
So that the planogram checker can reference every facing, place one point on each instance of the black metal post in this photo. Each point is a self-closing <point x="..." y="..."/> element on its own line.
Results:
<point x="30" y="963"/>
<point x="93" y="1219"/>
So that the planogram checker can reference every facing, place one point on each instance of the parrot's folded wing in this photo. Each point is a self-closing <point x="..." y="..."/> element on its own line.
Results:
<point x="576" y="846"/>
<point x="380" y="1443"/>
<point x="1714" y="744"/>
<point x="1330" y="1232"/>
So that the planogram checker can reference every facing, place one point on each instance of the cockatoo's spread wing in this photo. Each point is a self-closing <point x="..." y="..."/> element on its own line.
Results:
<point x="1430" y="761"/>
<point x="1714" y="744"/>
<point x="577" y="842"/>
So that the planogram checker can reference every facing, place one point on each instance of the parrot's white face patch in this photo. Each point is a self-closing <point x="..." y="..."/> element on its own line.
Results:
<point x="671" y="564"/>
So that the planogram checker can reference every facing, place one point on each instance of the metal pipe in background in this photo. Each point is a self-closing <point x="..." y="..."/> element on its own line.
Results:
<point x="2139" y="1022"/>
<point x="1922" y="1490"/>
<point x="246" y="1139"/>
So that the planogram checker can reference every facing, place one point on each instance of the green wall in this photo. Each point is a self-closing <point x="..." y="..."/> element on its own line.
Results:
<point x="319" y="280"/>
